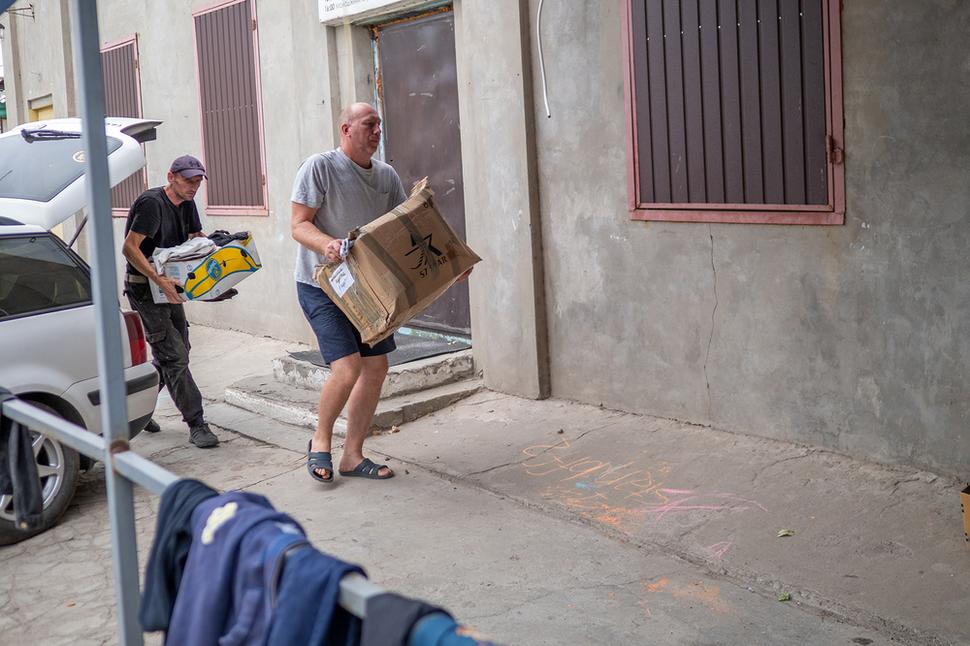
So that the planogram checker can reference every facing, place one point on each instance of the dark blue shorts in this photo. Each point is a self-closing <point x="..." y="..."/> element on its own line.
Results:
<point x="336" y="335"/>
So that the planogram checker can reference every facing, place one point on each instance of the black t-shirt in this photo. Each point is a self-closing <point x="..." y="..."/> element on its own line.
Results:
<point x="162" y="223"/>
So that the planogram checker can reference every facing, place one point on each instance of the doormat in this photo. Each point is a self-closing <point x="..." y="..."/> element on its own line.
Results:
<point x="409" y="348"/>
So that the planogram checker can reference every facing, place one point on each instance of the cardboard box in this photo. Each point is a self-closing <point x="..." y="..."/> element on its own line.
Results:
<point x="399" y="264"/>
<point x="208" y="278"/>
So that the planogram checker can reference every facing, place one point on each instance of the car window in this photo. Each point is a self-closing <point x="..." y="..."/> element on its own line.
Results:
<point x="40" y="170"/>
<point x="37" y="274"/>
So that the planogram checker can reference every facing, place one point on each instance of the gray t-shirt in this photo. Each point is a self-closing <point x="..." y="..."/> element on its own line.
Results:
<point x="345" y="195"/>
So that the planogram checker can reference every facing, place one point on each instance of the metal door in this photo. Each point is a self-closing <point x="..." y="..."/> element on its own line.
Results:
<point x="418" y="95"/>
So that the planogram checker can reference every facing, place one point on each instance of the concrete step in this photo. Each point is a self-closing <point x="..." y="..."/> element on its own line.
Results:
<point x="258" y="427"/>
<point x="298" y="406"/>
<point x="402" y="379"/>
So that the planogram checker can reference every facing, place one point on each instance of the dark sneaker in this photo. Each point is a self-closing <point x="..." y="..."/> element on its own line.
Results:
<point x="152" y="427"/>
<point x="202" y="437"/>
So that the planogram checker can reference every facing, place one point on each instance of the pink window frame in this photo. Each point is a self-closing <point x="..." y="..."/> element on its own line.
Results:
<point x="831" y="213"/>
<point x="118" y="44"/>
<point x="216" y="209"/>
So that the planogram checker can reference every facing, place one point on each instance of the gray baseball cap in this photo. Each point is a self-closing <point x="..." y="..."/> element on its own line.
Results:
<point x="188" y="166"/>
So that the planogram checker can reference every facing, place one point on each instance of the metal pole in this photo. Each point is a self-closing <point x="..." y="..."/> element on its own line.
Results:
<point x="114" y="417"/>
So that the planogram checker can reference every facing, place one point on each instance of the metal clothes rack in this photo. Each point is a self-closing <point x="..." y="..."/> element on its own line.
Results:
<point x="124" y="468"/>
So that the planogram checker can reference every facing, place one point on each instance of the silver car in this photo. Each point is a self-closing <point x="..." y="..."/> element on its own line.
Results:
<point x="48" y="350"/>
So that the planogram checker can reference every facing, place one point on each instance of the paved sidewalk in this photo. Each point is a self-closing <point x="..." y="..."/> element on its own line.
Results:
<point x="553" y="523"/>
<point x="876" y="546"/>
<point x="880" y="546"/>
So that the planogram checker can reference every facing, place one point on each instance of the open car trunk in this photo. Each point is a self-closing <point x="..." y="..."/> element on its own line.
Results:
<point x="42" y="166"/>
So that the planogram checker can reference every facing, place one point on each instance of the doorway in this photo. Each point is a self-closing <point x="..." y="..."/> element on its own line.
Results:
<point x="417" y="95"/>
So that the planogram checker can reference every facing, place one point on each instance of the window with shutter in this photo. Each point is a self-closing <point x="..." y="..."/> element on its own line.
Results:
<point x="735" y="111"/>
<point x="232" y="130"/>
<point x="122" y="98"/>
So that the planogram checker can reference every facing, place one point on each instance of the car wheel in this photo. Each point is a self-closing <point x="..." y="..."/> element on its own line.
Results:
<point x="58" y="467"/>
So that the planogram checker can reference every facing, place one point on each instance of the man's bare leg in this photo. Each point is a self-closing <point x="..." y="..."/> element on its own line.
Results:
<point x="360" y="411"/>
<point x="336" y="390"/>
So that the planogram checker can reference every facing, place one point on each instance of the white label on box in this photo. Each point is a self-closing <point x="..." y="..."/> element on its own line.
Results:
<point x="341" y="280"/>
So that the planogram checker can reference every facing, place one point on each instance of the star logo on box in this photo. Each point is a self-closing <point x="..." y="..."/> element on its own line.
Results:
<point x="428" y="256"/>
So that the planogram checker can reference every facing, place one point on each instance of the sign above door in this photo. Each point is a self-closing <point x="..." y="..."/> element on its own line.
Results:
<point x="336" y="12"/>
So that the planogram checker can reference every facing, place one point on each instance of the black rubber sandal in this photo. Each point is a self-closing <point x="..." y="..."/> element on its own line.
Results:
<point x="367" y="469"/>
<point x="318" y="460"/>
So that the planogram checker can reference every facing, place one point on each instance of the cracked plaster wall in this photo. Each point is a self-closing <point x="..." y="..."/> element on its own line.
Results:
<point x="850" y="337"/>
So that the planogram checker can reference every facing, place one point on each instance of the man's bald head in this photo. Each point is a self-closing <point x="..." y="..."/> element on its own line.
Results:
<point x="355" y="111"/>
<point x="360" y="132"/>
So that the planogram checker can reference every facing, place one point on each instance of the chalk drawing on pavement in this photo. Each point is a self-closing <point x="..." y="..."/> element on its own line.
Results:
<point x="624" y="495"/>
<point x="697" y="592"/>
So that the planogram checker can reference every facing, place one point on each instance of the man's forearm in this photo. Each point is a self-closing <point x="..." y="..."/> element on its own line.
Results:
<point x="141" y="263"/>
<point x="308" y="235"/>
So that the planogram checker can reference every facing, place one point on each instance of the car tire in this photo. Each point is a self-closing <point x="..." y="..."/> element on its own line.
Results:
<point x="62" y="464"/>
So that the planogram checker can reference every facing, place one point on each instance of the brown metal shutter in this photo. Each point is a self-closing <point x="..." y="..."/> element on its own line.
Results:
<point x="730" y="101"/>
<point x="228" y="89"/>
<point x="121" y="99"/>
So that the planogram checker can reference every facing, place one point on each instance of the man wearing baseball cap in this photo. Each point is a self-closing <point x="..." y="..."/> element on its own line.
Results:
<point x="164" y="217"/>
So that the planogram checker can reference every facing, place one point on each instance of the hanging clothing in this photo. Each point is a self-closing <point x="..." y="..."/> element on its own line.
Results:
<point x="390" y="618"/>
<point x="170" y="549"/>
<point x="262" y="553"/>
<point x="439" y="629"/>
<point x="18" y="471"/>
<point x="307" y="610"/>
<point x="223" y="597"/>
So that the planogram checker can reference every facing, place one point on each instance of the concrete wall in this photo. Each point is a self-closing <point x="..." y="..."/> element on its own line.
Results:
<point x="38" y="60"/>
<point x="501" y="199"/>
<point x="852" y="337"/>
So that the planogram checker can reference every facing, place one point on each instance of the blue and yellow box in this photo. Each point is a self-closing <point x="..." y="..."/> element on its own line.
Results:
<point x="209" y="277"/>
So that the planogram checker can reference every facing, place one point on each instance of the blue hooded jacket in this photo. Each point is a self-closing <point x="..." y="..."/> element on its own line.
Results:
<point x="225" y="595"/>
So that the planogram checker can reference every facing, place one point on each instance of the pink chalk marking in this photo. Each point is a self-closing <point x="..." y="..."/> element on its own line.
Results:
<point x="681" y="505"/>
<point x="739" y="498"/>
<point x="718" y="550"/>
